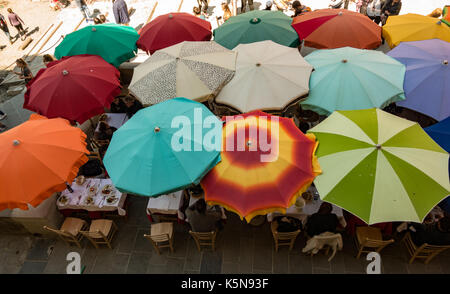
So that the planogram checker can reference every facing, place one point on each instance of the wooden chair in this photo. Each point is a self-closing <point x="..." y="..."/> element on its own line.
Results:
<point x="101" y="231"/>
<point x="426" y="251"/>
<point x="70" y="230"/>
<point x="283" y="239"/>
<point x="161" y="236"/>
<point x="204" y="239"/>
<point x="370" y="237"/>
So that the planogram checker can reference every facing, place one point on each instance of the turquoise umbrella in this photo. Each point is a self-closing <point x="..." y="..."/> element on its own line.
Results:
<point x="164" y="148"/>
<point x="353" y="79"/>
<point x="255" y="26"/>
<point x="114" y="43"/>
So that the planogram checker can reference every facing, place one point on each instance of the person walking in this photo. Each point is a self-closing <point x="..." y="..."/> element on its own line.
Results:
<point x="25" y="72"/>
<point x="84" y="9"/>
<point x="204" y="4"/>
<point x="244" y="5"/>
<point x="374" y="10"/>
<point x="390" y="7"/>
<point x="4" y="28"/>
<point x="16" y="22"/>
<point x="2" y="117"/>
<point x="120" y="10"/>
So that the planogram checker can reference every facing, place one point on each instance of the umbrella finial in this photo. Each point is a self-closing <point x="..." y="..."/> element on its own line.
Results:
<point x="249" y="143"/>
<point x="340" y="13"/>
<point x="439" y="22"/>
<point x="344" y="60"/>
<point x="171" y="15"/>
<point x="65" y="72"/>
<point x="157" y="129"/>
<point x="94" y="29"/>
<point x="255" y="20"/>
<point x="378" y="146"/>
<point x="445" y="62"/>
<point x="16" y="142"/>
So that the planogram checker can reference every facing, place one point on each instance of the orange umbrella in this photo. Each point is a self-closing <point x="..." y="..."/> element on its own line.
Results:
<point x="37" y="158"/>
<point x="336" y="28"/>
<point x="255" y="178"/>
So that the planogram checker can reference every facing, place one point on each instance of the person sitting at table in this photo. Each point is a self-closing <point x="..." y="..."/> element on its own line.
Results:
<point x="105" y="131"/>
<point x="322" y="221"/>
<point x="118" y="106"/>
<point x="201" y="219"/>
<point x="433" y="234"/>
<point x="132" y="106"/>
<point x="288" y="224"/>
<point x="92" y="168"/>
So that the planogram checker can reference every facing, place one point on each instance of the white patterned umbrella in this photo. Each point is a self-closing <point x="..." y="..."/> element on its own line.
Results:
<point x="268" y="76"/>
<point x="193" y="70"/>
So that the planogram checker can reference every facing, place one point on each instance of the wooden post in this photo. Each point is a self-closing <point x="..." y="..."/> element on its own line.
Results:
<point x="46" y="40"/>
<point x="35" y="44"/>
<point x="26" y="43"/>
<point x="79" y="24"/>
<point x="179" y="7"/>
<point x="151" y="13"/>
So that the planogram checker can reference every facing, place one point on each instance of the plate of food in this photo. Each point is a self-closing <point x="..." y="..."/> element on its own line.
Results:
<point x="89" y="200"/>
<point x="108" y="190"/>
<point x="92" y="190"/>
<point x="63" y="200"/>
<point x="80" y="180"/>
<point x="112" y="199"/>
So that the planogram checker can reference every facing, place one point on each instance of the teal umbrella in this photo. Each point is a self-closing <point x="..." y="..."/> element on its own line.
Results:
<point x="255" y="26"/>
<point x="114" y="43"/>
<point x="353" y="79"/>
<point x="164" y="148"/>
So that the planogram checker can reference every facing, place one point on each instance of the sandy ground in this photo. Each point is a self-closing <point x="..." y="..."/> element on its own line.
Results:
<point x="38" y="16"/>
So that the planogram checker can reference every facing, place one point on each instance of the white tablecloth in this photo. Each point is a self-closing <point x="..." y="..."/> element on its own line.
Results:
<point x="80" y="193"/>
<point x="115" y="120"/>
<point x="166" y="204"/>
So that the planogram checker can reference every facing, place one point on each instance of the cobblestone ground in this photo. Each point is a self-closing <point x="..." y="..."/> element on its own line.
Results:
<point x="241" y="249"/>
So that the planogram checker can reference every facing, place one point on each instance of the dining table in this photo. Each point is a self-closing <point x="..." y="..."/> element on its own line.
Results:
<point x="93" y="194"/>
<point x="168" y="204"/>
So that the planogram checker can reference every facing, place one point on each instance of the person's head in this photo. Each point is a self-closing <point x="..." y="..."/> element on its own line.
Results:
<point x="269" y="4"/>
<point x="296" y="4"/>
<point x="21" y="63"/>
<point x="129" y="101"/>
<point x="196" y="10"/>
<point x="395" y="1"/>
<point x="444" y="224"/>
<point x="116" y="100"/>
<point x="303" y="126"/>
<point x="103" y="126"/>
<point x="325" y="208"/>
<point x="102" y="18"/>
<point x="97" y="20"/>
<point x="47" y="58"/>
<point x="200" y="206"/>
<point x="225" y="6"/>
<point x="10" y="10"/>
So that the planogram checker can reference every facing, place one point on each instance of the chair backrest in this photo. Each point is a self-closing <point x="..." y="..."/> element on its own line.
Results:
<point x="93" y="235"/>
<point x="283" y="235"/>
<point x="376" y="243"/>
<point x="59" y="232"/>
<point x="158" y="238"/>
<point x="204" y="238"/>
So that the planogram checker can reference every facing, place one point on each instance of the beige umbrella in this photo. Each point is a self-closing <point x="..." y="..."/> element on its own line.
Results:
<point x="193" y="70"/>
<point x="268" y="76"/>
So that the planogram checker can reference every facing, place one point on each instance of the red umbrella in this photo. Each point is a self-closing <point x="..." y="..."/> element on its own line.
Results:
<point x="75" y="88"/>
<point x="336" y="28"/>
<point x="170" y="29"/>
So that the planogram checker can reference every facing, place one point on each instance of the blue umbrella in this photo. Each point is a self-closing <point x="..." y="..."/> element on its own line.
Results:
<point x="440" y="133"/>
<point x="427" y="78"/>
<point x="164" y="148"/>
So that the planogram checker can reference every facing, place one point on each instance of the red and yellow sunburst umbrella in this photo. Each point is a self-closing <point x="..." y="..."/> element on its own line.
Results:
<point x="267" y="162"/>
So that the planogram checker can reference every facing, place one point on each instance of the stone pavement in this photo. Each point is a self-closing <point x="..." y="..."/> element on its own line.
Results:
<point x="241" y="248"/>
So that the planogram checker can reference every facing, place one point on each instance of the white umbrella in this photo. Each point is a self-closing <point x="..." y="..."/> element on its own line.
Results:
<point x="192" y="70"/>
<point x="268" y="76"/>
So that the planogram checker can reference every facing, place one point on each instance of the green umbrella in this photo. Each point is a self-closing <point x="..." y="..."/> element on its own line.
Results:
<point x="164" y="148"/>
<point x="114" y="43"/>
<point x="351" y="79"/>
<point x="255" y="26"/>
<point x="380" y="167"/>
